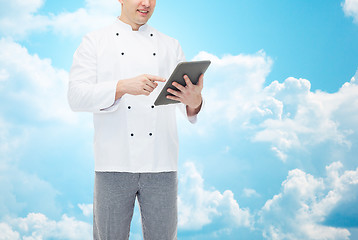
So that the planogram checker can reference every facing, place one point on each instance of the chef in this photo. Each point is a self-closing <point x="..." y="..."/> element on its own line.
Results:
<point x="117" y="73"/>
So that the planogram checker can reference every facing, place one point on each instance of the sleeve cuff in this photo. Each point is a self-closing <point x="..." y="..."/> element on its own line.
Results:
<point x="192" y="119"/>
<point x="104" y="97"/>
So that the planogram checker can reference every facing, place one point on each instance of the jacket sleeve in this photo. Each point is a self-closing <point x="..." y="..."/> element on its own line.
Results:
<point x="85" y="93"/>
<point x="181" y="106"/>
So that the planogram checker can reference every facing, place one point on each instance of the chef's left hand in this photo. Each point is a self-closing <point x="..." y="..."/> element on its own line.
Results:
<point x="190" y="95"/>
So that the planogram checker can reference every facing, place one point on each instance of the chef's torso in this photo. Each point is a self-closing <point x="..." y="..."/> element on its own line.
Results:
<point x="133" y="135"/>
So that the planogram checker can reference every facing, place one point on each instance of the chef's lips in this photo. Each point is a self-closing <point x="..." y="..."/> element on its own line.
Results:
<point x="143" y="12"/>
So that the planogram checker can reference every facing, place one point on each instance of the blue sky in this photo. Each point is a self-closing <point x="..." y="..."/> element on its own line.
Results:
<point x="273" y="156"/>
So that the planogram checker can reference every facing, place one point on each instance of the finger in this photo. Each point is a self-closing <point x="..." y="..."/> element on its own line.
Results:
<point x="175" y="93"/>
<point x="201" y="81"/>
<point x="155" y="78"/>
<point x="146" y="92"/>
<point x="178" y="86"/>
<point x="148" y="88"/>
<point x="173" y="98"/>
<point x="151" y="84"/>
<point x="187" y="81"/>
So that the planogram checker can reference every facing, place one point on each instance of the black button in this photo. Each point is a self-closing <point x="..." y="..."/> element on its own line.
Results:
<point x="152" y="106"/>
<point x="132" y="134"/>
<point x="154" y="54"/>
<point x="150" y="134"/>
<point x="129" y="107"/>
<point x="151" y="34"/>
<point x="122" y="53"/>
<point x="117" y="34"/>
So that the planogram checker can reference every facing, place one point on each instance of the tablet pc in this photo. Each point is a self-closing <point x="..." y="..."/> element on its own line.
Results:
<point x="193" y="69"/>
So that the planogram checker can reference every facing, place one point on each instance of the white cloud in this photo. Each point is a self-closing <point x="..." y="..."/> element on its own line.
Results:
<point x="7" y="233"/>
<point x="350" y="8"/>
<point x="87" y="209"/>
<point x="21" y="191"/>
<point x="4" y="75"/>
<point x="95" y="14"/>
<point x="232" y="89"/>
<point x="37" y="226"/>
<point x="280" y="154"/>
<point x="7" y="142"/>
<point x="33" y="85"/>
<point x="309" y="118"/>
<point x="287" y="115"/>
<point x="199" y="207"/>
<point x="298" y="212"/>
<point x="18" y="17"/>
<point x="248" y="192"/>
<point x="34" y="92"/>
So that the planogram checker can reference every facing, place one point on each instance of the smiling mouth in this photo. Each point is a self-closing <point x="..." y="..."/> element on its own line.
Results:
<point x="143" y="11"/>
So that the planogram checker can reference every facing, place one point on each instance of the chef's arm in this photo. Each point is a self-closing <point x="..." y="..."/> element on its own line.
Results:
<point x="85" y="93"/>
<point x="192" y="111"/>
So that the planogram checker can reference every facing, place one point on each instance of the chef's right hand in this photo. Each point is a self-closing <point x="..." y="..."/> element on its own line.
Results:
<point x="140" y="85"/>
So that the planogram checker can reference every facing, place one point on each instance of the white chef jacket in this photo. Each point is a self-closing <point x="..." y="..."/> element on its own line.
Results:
<point x="130" y="134"/>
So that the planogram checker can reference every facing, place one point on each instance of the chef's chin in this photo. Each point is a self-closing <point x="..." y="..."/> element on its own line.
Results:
<point x="142" y="20"/>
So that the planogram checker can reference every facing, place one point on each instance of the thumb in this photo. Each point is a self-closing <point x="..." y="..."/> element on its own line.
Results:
<point x="201" y="81"/>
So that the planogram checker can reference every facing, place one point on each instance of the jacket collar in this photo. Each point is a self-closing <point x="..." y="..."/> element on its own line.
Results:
<point x="127" y="27"/>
